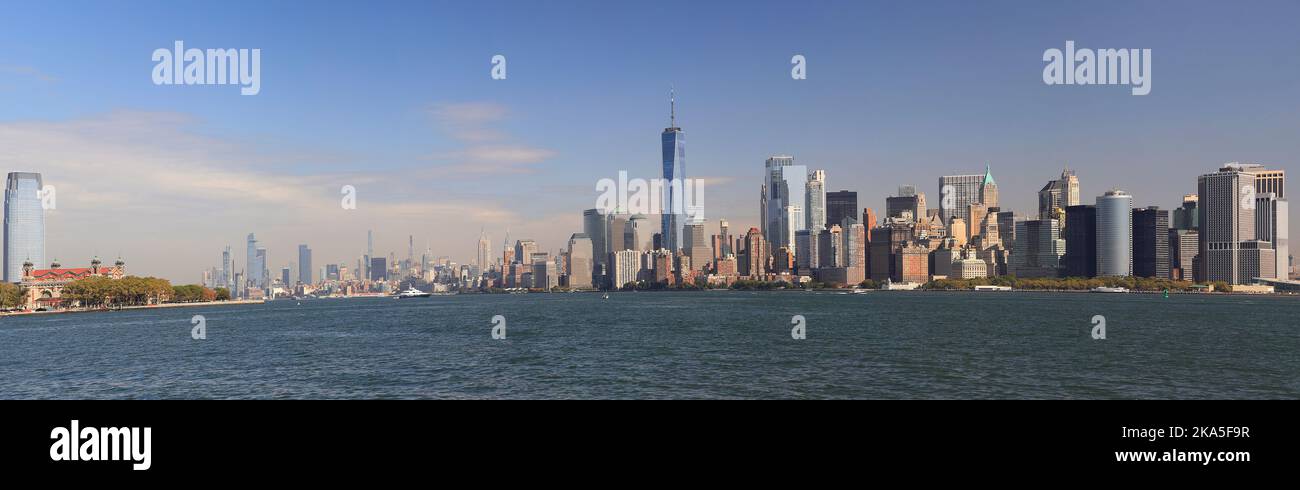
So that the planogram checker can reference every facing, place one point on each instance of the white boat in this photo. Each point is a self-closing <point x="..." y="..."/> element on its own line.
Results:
<point x="411" y="292"/>
<point x="1104" y="289"/>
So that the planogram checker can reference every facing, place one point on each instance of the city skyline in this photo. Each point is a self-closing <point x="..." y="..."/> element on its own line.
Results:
<point x="166" y="177"/>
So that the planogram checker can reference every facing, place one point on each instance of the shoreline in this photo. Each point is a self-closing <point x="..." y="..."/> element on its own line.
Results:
<point x="137" y="307"/>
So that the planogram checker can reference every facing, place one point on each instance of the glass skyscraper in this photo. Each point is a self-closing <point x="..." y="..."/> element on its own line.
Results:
<point x="784" y="196"/>
<point x="24" y="224"/>
<point x="674" y="153"/>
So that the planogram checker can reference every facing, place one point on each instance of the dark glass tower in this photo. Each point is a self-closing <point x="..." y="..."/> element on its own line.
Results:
<point x="1150" y="243"/>
<point x="674" y="153"/>
<point x="1081" y="241"/>
<point x="840" y="205"/>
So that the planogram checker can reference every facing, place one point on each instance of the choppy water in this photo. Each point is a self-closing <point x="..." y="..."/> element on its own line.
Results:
<point x="670" y="345"/>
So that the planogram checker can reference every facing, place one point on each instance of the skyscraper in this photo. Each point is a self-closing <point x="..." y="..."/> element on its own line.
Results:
<point x="1150" y="243"/>
<point x="636" y="234"/>
<point x="578" y="267"/>
<point x="724" y="237"/>
<point x="304" y="265"/>
<point x="695" y="243"/>
<point x="253" y="270"/>
<point x="225" y="269"/>
<point x="1272" y="224"/>
<point x="1182" y="253"/>
<point x="783" y="199"/>
<point x="24" y="234"/>
<point x="840" y="205"/>
<point x="524" y="250"/>
<point x="1115" y="234"/>
<point x="264" y="278"/>
<point x="815" y="201"/>
<point x="958" y="192"/>
<point x="370" y="252"/>
<point x="1039" y="248"/>
<point x="911" y="203"/>
<point x="1059" y="194"/>
<point x="1081" y="241"/>
<point x="483" y="252"/>
<point x="1185" y="217"/>
<point x="596" y="226"/>
<point x="673" y="142"/>
<point x="1227" y="221"/>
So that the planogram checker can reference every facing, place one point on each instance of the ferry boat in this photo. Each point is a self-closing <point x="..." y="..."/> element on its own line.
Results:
<point x="1104" y="289"/>
<point x="411" y="292"/>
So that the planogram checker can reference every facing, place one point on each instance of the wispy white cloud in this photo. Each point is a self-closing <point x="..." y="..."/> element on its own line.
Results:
<point x="148" y="185"/>
<point x="486" y="149"/>
<point x="28" y="71"/>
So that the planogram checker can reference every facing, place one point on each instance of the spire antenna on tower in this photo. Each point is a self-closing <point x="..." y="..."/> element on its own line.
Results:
<point x="672" y="106"/>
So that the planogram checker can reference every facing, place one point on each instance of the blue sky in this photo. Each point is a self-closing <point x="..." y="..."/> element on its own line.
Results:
<point x="396" y="98"/>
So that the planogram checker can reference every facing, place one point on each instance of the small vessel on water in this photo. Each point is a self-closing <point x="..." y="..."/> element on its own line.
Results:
<point x="1105" y="289"/>
<point x="411" y="292"/>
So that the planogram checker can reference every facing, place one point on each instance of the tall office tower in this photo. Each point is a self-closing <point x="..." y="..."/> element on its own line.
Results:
<point x="304" y="265"/>
<point x="695" y="244"/>
<point x="1115" y="234"/>
<point x="805" y="250"/>
<point x="1081" y="241"/>
<point x="636" y="233"/>
<point x="332" y="272"/>
<point x="544" y="272"/>
<point x="261" y="263"/>
<point x="1272" y="224"/>
<point x="225" y="268"/>
<point x="410" y="250"/>
<point x="895" y="206"/>
<point x="1269" y="181"/>
<point x="830" y="248"/>
<point x="840" y="205"/>
<point x="673" y="142"/>
<point x="815" y="201"/>
<point x="370" y="252"/>
<point x="252" y="269"/>
<point x="783" y="197"/>
<point x="1150" y="243"/>
<point x="1185" y="216"/>
<point x="525" y="248"/>
<point x="988" y="189"/>
<point x="580" y="261"/>
<point x="1058" y="194"/>
<point x="978" y="213"/>
<point x="724" y="232"/>
<point x="855" y="258"/>
<point x="24" y="234"/>
<point x="1039" y="248"/>
<point x="596" y="226"/>
<point x="958" y="231"/>
<point x="962" y="191"/>
<point x="483" y="252"/>
<point x="625" y="267"/>
<point x="616" y="232"/>
<point x="1182" y="253"/>
<point x="1007" y="228"/>
<point x="1227" y="225"/>
<point x="868" y="223"/>
<point x="284" y="277"/>
<point x="378" y="269"/>
<point x="756" y="253"/>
